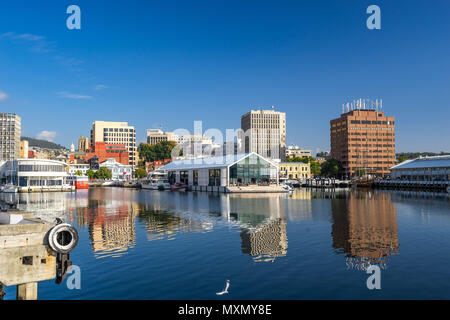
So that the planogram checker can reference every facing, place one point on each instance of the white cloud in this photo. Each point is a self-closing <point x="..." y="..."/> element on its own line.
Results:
<point x="46" y="135"/>
<point x="68" y="95"/>
<point x="100" y="87"/>
<point x="3" y="96"/>
<point x="36" y="43"/>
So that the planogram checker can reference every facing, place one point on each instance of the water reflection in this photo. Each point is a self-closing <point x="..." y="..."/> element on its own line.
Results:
<point x="267" y="242"/>
<point x="109" y="219"/>
<point x="365" y="228"/>
<point x="364" y="223"/>
<point x="162" y="225"/>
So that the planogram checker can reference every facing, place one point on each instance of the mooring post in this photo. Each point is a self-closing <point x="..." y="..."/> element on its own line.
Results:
<point x="2" y="292"/>
<point x="27" y="291"/>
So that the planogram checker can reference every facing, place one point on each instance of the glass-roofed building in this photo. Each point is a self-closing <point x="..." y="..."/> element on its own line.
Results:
<point x="217" y="173"/>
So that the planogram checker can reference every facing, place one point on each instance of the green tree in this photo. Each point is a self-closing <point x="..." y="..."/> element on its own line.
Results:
<point x="331" y="168"/>
<point x="301" y="159"/>
<point x="79" y="173"/>
<point x="103" y="173"/>
<point x="90" y="173"/>
<point x="156" y="152"/>
<point x="402" y="158"/>
<point x="140" y="173"/>
<point x="315" y="168"/>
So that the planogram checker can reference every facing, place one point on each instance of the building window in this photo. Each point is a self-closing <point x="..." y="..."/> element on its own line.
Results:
<point x="195" y="177"/>
<point x="214" y="177"/>
<point x="171" y="177"/>
<point x="184" y="177"/>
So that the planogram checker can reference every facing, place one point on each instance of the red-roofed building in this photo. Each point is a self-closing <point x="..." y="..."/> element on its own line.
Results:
<point x="105" y="151"/>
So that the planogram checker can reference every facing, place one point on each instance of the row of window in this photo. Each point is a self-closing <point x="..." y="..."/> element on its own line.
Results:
<point x="371" y="122"/>
<point x="41" y="168"/>
<point x="117" y="130"/>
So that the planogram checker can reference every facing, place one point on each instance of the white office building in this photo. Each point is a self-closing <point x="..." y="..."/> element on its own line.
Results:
<point x="119" y="171"/>
<point x="74" y="168"/>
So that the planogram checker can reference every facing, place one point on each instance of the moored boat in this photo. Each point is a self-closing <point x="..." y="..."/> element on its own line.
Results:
<point x="10" y="188"/>
<point x="78" y="182"/>
<point x="156" y="181"/>
<point x="178" y="187"/>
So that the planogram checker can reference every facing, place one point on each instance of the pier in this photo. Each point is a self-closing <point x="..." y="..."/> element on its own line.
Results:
<point x="30" y="252"/>
<point x="325" y="183"/>
<point x="412" y="185"/>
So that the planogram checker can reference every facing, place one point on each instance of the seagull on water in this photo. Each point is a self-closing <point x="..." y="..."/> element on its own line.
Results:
<point x="225" y="290"/>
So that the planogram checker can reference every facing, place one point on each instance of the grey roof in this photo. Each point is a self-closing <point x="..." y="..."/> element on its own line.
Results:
<point x="427" y="162"/>
<point x="210" y="162"/>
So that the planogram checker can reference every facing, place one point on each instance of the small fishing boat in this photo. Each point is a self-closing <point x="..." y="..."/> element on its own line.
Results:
<point x="9" y="188"/>
<point x="178" y="187"/>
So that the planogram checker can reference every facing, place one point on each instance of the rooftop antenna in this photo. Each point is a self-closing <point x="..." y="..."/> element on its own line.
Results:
<point x="343" y="108"/>
<point x="381" y="104"/>
<point x="348" y="106"/>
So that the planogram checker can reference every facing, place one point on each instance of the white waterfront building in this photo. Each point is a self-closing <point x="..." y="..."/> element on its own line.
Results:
<point x="435" y="168"/>
<point x="119" y="171"/>
<point x="221" y="173"/>
<point x="35" y="175"/>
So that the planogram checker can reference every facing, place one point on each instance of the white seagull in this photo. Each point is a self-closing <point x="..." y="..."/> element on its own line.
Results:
<point x="225" y="290"/>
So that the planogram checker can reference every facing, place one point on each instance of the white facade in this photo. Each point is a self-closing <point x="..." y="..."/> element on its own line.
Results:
<point x="265" y="133"/>
<point x="231" y="170"/>
<point x="119" y="171"/>
<point x="83" y="168"/>
<point x="435" y="168"/>
<point x="34" y="173"/>
<point x="295" y="151"/>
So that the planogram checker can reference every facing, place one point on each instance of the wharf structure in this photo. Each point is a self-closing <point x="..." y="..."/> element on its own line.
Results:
<point x="248" y="172"/>
<point x="424" y="173"/>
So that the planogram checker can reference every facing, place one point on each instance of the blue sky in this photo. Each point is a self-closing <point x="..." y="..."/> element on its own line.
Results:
<point x="169" y="63"/>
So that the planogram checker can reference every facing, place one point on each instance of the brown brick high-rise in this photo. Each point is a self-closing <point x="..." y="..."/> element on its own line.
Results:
<point x="363" y="140"/>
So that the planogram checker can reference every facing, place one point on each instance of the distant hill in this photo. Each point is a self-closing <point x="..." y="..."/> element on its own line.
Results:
<point x="42" y="144"/>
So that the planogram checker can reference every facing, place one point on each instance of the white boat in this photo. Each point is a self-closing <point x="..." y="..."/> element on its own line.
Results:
<point x="157" y="180"/>
<point x="287" y="187"/>
<point x="9" y="188"/>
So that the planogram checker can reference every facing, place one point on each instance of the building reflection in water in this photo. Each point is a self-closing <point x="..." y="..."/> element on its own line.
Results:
<point x="365" y="227"/>
<point x="262" y="222"/>
<point x="266" y="242"/>
<point x="47" y="206"/>
<point x="110" y="214"/>
<point x="260" y="218"/>
<point x="110" y="221"/>
<point x="163" y="225"/>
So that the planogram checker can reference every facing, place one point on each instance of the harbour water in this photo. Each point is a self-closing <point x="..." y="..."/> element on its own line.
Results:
<point x="312" y="244"/>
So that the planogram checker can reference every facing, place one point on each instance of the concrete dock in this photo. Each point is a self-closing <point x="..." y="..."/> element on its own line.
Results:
<point x="32" y="250"/>
<point x="25" y="258"/>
